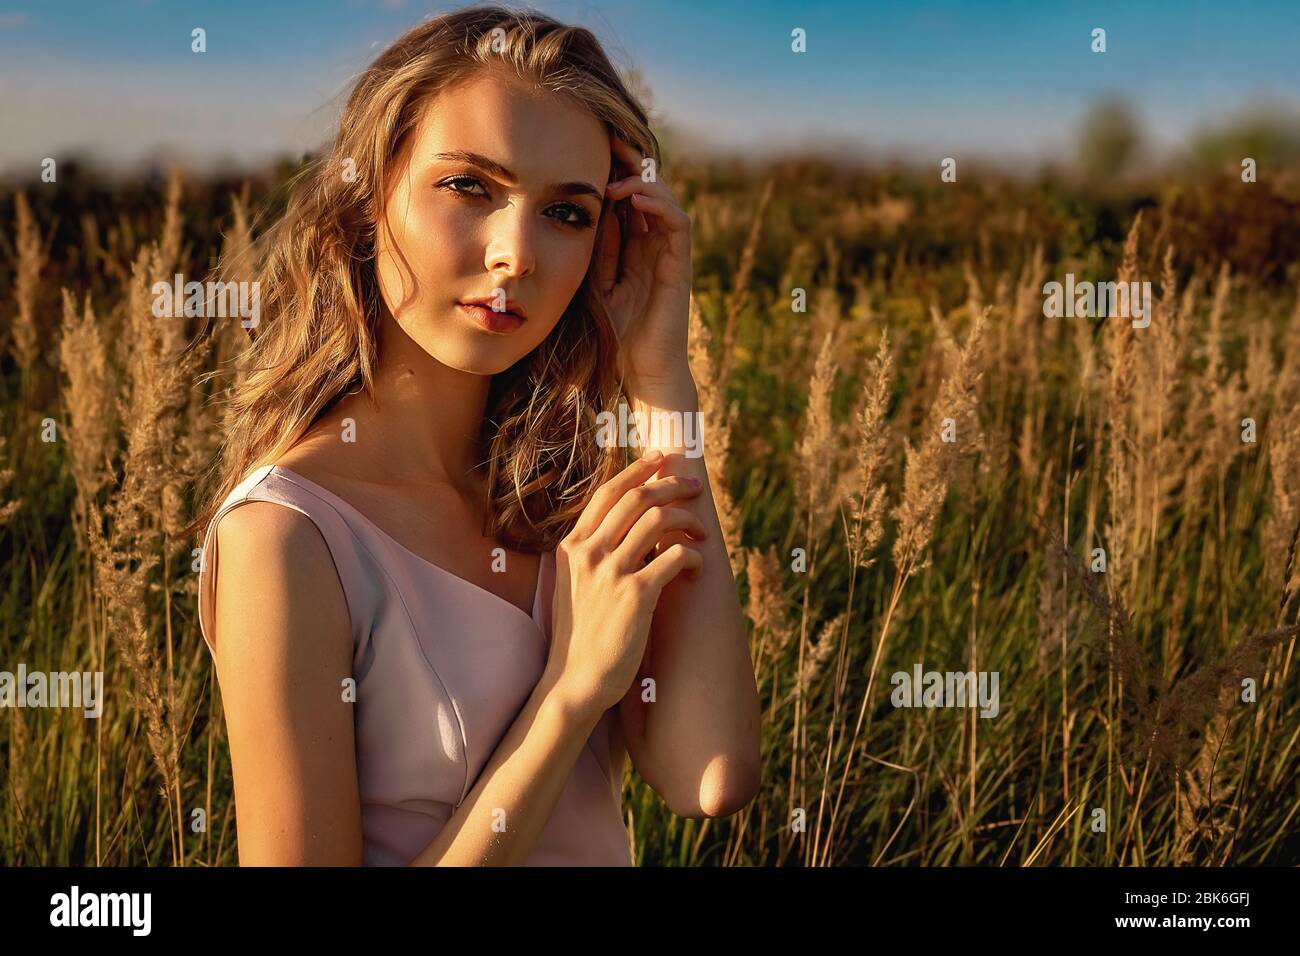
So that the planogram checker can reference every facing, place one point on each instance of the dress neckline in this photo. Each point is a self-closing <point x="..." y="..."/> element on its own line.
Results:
<point x="290" y="475"/>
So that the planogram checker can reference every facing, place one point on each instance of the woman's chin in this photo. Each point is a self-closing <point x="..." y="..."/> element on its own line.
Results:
<point x="480" y="358"/>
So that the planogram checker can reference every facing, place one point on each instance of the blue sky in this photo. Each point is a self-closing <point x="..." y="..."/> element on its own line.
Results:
<point x="117" y="79"/>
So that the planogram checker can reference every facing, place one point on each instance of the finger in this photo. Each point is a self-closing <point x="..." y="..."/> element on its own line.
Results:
<point x="637" y="164"/>
<point x="629" y="509"/>
<point x="671" y="215"/>
<point x="651" y="527"/>
<point x="632" y="253"/>
<point x="611" y="491"/>
<point x="634" y="222"/>
<point x="674" y="561"/>
<point x="635" y="185"/>
<point x="628" y="153"/>
<point x="636" y="179"/>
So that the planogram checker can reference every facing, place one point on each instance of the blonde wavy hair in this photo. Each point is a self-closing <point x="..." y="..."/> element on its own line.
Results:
<point x="320" y="294"/>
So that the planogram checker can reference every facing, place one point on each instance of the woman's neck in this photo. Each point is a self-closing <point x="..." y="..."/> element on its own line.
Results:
<point x="425" y="421"/>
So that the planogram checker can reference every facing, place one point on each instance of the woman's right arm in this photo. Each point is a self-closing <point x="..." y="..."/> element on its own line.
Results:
<point x="283" y="648"/>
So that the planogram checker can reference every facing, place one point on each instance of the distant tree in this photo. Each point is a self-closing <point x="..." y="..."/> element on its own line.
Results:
<point x="1270" y="137"/>
<point x="1109" y="139"/>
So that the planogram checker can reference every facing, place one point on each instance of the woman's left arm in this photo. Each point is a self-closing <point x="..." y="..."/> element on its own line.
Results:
<point x="697" y="741"/>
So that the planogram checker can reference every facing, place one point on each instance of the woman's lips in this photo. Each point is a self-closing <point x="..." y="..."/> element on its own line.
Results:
<point x="491" y="320"/>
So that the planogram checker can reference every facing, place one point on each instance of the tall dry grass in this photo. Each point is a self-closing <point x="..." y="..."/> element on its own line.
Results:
<point x="863" y="541"/>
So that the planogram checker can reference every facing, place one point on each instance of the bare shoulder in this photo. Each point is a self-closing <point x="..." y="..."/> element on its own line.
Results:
<point x="276" y="583"/>
<point x="283" y="651"/>
<point x="269" y="527"/>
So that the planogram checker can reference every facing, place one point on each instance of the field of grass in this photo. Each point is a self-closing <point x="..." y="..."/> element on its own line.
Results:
<point x="864" y="543"/>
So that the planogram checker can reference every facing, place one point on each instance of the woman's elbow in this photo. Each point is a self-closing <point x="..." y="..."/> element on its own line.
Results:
<point x="727" y="788"/>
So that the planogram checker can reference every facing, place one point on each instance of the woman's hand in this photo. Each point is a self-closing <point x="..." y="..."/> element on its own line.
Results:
<point x="606" y="592"/>
<point x="646" y="278"/>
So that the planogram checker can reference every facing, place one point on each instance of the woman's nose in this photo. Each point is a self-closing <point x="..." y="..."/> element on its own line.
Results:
<point x="510" y="243"/>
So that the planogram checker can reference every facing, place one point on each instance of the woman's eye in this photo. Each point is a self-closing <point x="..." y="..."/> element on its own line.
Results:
<point x="581" y="218"/>
<point x="448" y="184"/>
<point x="570" y="214"/>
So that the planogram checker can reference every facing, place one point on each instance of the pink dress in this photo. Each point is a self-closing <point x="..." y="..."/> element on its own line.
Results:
<point x="442" y="668"/>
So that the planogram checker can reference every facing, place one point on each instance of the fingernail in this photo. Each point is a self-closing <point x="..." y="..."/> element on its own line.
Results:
<point x="653" y="455"/>
<point x="693" y="482"/>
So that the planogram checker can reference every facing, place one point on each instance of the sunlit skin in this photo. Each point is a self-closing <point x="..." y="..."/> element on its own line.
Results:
<point x="469" y="229"/>
<point x="465" y="229"/>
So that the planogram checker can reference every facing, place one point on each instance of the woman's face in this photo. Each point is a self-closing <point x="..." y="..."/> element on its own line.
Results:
<point x="496" y="197"/>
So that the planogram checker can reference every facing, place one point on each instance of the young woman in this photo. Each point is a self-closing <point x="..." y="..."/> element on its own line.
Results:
<point x="444" y="611"/>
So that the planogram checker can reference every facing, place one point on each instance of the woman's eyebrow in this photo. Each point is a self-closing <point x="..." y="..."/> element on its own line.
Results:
<point x="499" y="171"/>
